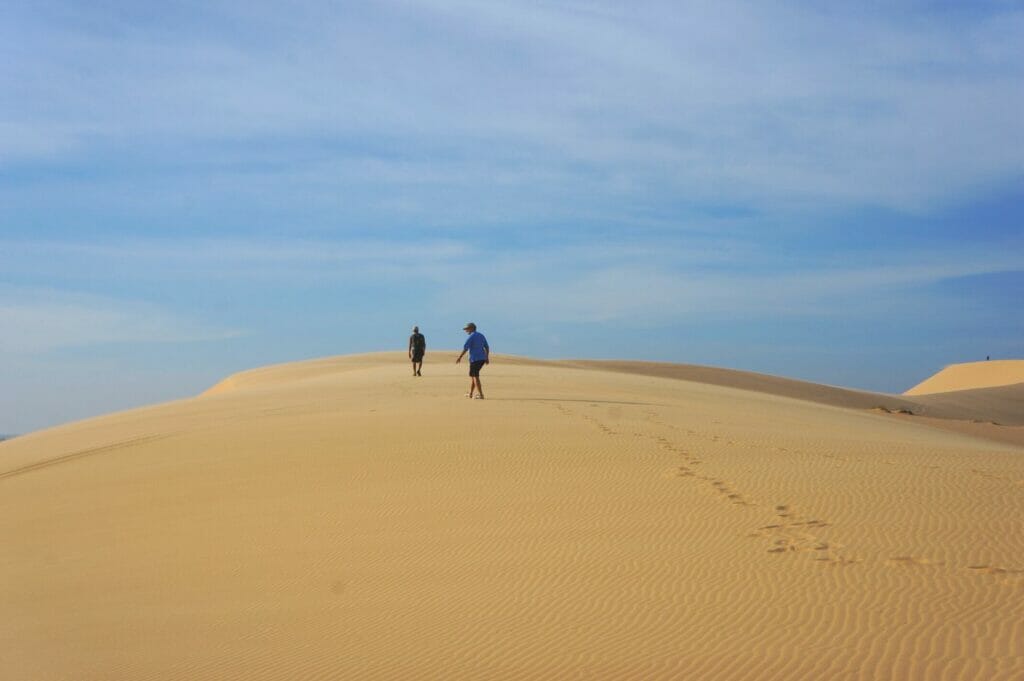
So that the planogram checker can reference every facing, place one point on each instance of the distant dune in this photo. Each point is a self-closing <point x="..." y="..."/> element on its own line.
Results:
<point x="340" y="519"/>
<point x="971" y="376"/>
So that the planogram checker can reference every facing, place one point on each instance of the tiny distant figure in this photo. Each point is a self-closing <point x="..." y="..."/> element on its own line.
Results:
<point x="417" y="348"/>
<point x="479" y="355"/>
<point x="988" y="357"/>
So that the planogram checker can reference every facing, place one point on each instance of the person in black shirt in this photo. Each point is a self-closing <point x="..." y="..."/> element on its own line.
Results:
<point x="417" y="348"/>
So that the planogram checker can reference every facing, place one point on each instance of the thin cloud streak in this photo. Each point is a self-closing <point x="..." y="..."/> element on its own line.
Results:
<point x="840" y="107"/>
<point x="38" y="321"/>
<point x="575" y="282"/>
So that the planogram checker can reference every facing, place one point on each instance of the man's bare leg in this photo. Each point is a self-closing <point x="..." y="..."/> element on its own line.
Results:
<point x="479" y="385"/>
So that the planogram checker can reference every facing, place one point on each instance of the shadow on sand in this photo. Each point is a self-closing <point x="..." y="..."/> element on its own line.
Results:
<point x="555" y="399"/>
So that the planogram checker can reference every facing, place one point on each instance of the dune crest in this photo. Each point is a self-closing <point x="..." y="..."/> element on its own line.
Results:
<point x="340" y="519"/>
<point x="971" y="376"/>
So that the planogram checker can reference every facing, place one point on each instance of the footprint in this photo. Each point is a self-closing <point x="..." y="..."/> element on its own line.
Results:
<point x="986" y="569"/>
<point x="912" y="561"/>
<point x="994" y="570"/>
<point x="838" y="560"/>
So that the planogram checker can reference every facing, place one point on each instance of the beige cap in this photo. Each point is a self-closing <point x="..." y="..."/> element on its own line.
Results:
<point x="469" y="327"/>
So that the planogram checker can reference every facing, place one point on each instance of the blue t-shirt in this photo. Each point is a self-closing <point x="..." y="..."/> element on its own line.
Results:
<point x="476" y="344"/>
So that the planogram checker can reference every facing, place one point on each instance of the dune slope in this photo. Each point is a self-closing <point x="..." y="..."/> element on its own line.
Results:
<point x="971" y="376"/>
<point x="340" y="519"/>
<point x="1003" y="404"/>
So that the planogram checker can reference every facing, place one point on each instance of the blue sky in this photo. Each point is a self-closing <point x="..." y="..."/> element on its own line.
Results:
<point x="188" y="189"/>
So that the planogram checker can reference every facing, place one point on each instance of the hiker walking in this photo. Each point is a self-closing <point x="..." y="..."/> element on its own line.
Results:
<point x="479" y="355"/>
<point x="417" y="348"/>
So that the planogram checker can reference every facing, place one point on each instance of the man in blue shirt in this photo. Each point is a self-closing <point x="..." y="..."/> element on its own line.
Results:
<point x="479" y="355"/>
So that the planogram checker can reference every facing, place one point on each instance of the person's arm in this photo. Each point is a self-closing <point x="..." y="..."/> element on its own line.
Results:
<point x="461" y="355"/>
<point x="410" y="347"/>
<point x="487" y="353"/>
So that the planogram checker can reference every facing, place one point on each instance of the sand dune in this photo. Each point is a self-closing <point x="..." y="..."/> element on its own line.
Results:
<point x="339" y="519"/>
<point x="1003" y="405"/>
<point x="971" y="376"/>
<point x="746" y="380"/>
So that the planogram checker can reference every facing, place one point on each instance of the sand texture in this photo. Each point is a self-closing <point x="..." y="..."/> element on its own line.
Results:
<point x="340" y="519"/>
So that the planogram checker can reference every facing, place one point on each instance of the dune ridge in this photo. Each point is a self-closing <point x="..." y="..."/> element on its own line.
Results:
<point x="1002" y="404"/>
<point x="340" y="519"/>
<point x="972" y="376"/>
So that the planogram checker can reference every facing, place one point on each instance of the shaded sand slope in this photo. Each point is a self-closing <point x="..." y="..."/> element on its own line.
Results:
<point x="1004" y="405"/>
<point x="972" y="375"/>
<point x="342" y="520"/>
<point x="747" y="380"/>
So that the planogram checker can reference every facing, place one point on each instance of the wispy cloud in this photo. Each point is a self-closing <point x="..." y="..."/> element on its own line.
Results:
<point x="658" y="283"/>
<point x="653" y="295"/>
<point x="286" y="261"/>
<point x="763" y="104"/>
<point x="38" y="320"/>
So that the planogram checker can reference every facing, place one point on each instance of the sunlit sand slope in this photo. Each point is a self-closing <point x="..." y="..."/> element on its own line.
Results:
<point x="342" y="520"/>
<point x="972" y="375"/>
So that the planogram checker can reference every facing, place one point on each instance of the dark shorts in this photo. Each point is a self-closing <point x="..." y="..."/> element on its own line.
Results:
<point x="474" y="367"/>
<point x="417" y="356"/>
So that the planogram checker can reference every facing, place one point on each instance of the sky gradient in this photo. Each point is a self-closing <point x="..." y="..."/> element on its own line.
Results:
<point x="189" y="189"/>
